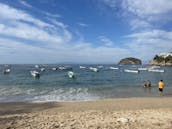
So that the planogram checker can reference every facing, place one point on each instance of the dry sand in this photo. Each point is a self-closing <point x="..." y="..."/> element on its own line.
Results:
<point x="126" y="113"/>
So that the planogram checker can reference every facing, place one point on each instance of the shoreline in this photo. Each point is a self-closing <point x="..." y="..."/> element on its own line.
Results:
<point x="107" y="113"/>
<point x="116" y="103"/>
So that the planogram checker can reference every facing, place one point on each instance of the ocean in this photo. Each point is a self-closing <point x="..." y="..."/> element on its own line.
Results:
<point x="20" y="86"/>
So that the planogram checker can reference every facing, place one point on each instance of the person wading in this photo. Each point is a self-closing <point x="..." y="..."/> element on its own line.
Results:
<point x="161" y="86"/>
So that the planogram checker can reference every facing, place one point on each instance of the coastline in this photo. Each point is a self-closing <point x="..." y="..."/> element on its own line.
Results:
<point x="107" y="113"/>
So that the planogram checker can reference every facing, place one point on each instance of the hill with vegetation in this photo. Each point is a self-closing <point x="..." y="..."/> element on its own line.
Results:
<point x="162" y="60"/>
<point x="130" y="61"/>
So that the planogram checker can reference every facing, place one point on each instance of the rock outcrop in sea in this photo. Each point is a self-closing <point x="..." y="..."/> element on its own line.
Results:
<point x="130" y="61"/>
<point x="163" y="59"/>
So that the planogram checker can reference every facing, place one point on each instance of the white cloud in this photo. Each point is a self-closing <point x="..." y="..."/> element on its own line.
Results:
<point x="25" y="3"/>
<point x="17" y="23"/>
<point x="146" y="8"/>
<point x="82" y="24"/>
<point x="105" y="41"/>
<point x="51" y="15"/>
<point x="139" y="24"/>
<point x="158" y="34"/>
<point x="149" y="43"/>
<point x="143" y="14"/>
<point x="55" y="41"/>
<point x="145" y="18"/>
<point x="112" y="3"/>
<point x="57" y="23"/>
<point x="150" y="12"/>
<point x="8" y="13"/>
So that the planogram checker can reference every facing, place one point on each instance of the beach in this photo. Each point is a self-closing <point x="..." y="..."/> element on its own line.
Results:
<point x="120" y="113"/>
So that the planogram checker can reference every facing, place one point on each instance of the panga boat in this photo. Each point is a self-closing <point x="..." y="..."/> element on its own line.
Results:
<point x="142" y="69"/>
<point x="71" y="74"/>
<point x="54" y="69"/>
<point x="156" y="70"/>
<point x="94" y="69"/>
<point x="114" y="68"/>
<point x="100" y="66"/>
<point x="82" y="67"/>
<point x="36" y="66"/>
<point x="42" y="69"/>
<point x="35" y="74"/>
<point x="65" y="68"/>
<point x="131" y="71"/>
<point x="7" y="71"/>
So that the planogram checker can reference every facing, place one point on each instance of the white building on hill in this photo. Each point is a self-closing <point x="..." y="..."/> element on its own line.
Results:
<point x="164" y="55"/>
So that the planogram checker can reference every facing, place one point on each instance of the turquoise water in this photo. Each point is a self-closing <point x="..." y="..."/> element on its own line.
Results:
<point x="20" y="86"/>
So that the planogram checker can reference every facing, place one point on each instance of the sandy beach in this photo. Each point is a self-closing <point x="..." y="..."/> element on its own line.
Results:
<point x="124" y="113"/>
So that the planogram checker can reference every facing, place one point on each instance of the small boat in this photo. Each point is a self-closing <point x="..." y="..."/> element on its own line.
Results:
<point x="156" y="70"/>
<point x="6" y="71"/>
<point x="143" y="69"/>
<point x="94" y="69"/>
<point x="65" y="68"/>
<point x="42" y="69"/>
<point x="100" y="66"/>
<point x="82" y="67"/>
<point x="62" y="68"/>
<point x="36" y="66"/>
<point x="54" y="69"/>
<point x="35" y="74"/>
<point x="71" y="74"/>
<point x="131" y="71"/>
<point x="154" y="67"/>
<point x="114" y="68"/>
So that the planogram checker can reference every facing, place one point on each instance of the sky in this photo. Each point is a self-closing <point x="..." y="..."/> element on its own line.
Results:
<point x="83" y="31"/>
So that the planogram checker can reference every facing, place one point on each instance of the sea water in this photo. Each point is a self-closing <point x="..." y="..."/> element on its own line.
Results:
<point x="20" y="86"/>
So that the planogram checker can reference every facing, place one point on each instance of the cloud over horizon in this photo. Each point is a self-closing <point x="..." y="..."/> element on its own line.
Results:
<point x="25" y="38"/>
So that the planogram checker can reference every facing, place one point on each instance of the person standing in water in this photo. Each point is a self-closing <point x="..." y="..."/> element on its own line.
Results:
<point x="144" y="84"/>
<point x="149" y="83"/>
<point x="161" y="86"/>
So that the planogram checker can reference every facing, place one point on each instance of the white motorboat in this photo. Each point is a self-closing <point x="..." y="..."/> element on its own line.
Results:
<point x="156" y="70"/>
<point x="36" y="66"/>
<point x="155" y="67"/>
<point x="82" y="67"/>
<point x="94" y="69"/>
<point x="143" y="69"/>
<point x="35" y="74"/>
<point x="131" y="71"/>
<point x="62" y="68"/>
<point x="42" y="69"/>
<point x="100" y="66"/>
<point x="113" y="68"/>
<point x="71" y="74"/>
<point x="65" y="68"/>
<point x="54" y="69"/>
<point x="6" y="71"/>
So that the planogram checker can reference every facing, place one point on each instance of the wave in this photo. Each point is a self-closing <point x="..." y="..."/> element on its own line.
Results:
<point x="48" y="94"/>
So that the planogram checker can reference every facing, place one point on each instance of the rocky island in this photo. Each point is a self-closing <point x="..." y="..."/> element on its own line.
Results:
<point x="130" y="61"/>
<point x="163" y="59"/>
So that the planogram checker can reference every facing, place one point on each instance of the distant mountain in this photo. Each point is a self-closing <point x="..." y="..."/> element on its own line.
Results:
<point x="163" y="59"/>
<point x="130" y="61"/>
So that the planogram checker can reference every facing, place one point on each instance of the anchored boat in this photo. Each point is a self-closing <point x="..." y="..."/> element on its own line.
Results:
<point x="35" y="74"/>
<point x="94" y="69"/>
<point x="113" y="68"/>
<point x="156" y="70"/>
<point x="131" y="71"/>
<point x="6" y="71"/>
<point x="71" y="74"/>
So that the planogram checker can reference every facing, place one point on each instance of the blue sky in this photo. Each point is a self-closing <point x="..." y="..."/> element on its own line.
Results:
<point x="83" y="31"/>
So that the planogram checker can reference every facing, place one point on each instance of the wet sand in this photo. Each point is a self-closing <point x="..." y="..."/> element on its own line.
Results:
<point x="124" y="113"/>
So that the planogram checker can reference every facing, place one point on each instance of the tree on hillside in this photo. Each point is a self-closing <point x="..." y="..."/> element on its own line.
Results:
<point x="168" y="59"/>
<point x="159" y="58"/>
